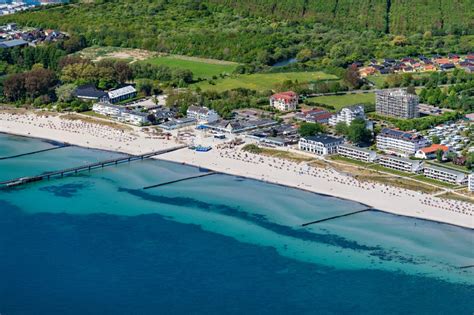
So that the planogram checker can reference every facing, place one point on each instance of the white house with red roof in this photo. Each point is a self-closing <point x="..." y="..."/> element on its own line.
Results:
<point x="431" y="151"/>
<point x="285" y="101"/>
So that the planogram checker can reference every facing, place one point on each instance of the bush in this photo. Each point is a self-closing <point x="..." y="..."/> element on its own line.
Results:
<point x="252" y="148"/>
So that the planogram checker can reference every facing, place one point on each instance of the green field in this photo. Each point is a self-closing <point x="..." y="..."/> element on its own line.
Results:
<point x="263" y="81"/>
<point x="201" y="68"/>
<point x="339" y="101"/>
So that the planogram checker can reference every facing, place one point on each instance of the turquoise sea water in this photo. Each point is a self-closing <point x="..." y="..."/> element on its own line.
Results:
<point x="98" y="243"/>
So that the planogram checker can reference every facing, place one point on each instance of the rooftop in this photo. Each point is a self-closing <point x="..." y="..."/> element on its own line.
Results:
<point x="323" y="138"/>
<point x="89" y="91"/>
<point x="122" y="91"/>
<point x="398" y="134"/>
<point x="433" y="148"/>
<point x="13" y="43"/>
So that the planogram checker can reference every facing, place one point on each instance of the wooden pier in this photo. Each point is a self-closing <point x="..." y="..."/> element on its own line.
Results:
<point x="82" y="168"/>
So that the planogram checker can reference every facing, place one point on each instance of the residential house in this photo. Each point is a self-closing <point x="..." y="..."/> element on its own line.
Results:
<point x="431" y="151"/>
<point x="366" y="71"/>
<point x="285" y="101"/>
<point x="347" y="115"/>
<point x="318" y="115"/>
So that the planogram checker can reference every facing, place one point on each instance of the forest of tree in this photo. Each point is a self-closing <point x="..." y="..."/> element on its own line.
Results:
<point x="264" y="32"/>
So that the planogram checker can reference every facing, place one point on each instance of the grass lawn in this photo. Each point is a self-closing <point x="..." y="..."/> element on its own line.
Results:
<point x="340" y="101"/>
<point x="263" y="81"/>
<point x="200" y="67"/>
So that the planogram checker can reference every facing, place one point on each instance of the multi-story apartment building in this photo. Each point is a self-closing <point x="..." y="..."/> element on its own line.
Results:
<point x="471" y="182"/>
<point x="397" y="103"/>
<point x="445" y="175"/>
<point x="320" y="144"/>
<point x="347" y="115"/>
<point x="357" y="153"/>
<point x="107" y="109"/>
<point x="285" y="101"/>
<point x="401" y="164"/>
<point x="399" y="142"/>
<point x="202" y="114"/>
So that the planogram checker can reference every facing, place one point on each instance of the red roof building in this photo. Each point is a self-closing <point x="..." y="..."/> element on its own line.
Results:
<point x="284" y="101"/>
<point x="430" y="152"/>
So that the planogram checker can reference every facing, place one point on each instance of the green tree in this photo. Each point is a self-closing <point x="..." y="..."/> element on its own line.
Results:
<point x="435" y="140"/>
<point x="358" y="132"/>
<point x="341" y="128"/>
<point x="439" y="155"/>
<point x="310" y="129"/>
<point x="65" y="93"/>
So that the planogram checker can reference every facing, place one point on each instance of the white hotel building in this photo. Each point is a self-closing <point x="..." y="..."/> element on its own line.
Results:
<point x="357" y="153"/>
<point x="347" y="115"/>
<point x="471" y="182"/>
<point x="107" y="109"/>
<point x="445" y="175"/>
<point x="203" y="115"/>
<point x="399" y="142"/>
<point x="320" y="144"/>
<point x="401" y="164"/>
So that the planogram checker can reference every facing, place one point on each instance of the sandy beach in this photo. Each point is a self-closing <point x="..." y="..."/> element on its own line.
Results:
<point x="237" y="162"/>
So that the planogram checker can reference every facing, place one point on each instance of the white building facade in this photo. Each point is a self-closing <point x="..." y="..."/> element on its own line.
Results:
<point x="320" y="144"/>
<point x="285" y="101"/>
<point x="445" y="175"/>
<point x="134" y="118"/>
<point x="202" y="114"/>
<point x="399" y="142"/>
<point x="347" y="115"/>
<point x="396" y="103"/>
<point x="471" y="182"/>
<point x="401" y="164"/>
<point x="356" y="153"/>
<point x="107" y="109"/>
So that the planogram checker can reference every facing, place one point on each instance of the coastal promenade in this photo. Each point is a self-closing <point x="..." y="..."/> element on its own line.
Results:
<point x="236" y="162"/>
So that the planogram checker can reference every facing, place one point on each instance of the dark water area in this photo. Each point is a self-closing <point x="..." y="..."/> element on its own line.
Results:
<point x="98" y="243"/>
<point x="285" y="62"/>
<point x="105" y="264"/>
